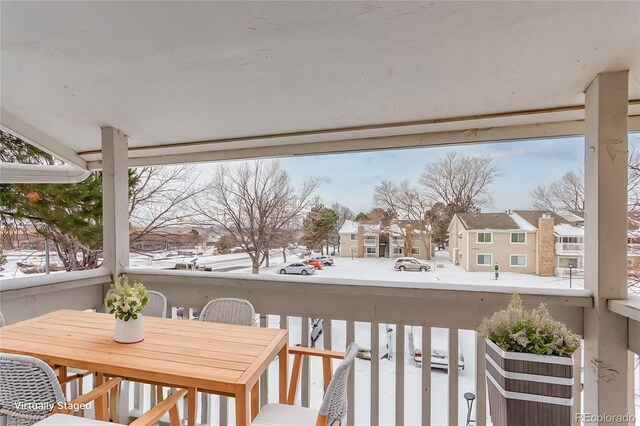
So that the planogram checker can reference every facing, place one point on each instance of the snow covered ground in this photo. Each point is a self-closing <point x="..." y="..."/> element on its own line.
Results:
<point x="444" y="272"/>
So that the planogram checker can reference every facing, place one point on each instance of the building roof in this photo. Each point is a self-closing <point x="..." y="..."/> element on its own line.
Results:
<point x="487" y="221"/>
<point x="349" y="227"/>
<point x="532" y="216"/>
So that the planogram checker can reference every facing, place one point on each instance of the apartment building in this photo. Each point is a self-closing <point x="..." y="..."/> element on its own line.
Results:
<point x="525" y="241"/>
<point x="400" y="238"/>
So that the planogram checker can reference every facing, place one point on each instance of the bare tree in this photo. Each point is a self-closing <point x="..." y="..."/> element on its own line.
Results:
<point x="253" y="202"/>
<point x="160" y="198"/>
<point x="567" y="193"/>
<point x="410" y="205"/>
<point x="460" y="180"/>
<point x="344" y="213"/>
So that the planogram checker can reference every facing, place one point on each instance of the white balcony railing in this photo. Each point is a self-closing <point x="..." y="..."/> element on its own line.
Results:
<point x="370" y="242"/>
<point x="569" y="248"/>
<point x="353" y="310"/>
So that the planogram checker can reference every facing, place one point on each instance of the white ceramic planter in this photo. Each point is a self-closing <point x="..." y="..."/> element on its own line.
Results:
<point x="129" y="331"/>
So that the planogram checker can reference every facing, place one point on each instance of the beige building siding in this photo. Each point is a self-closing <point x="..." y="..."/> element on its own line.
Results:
<point x="346" y="244"/>
<point x="501" y="249"/>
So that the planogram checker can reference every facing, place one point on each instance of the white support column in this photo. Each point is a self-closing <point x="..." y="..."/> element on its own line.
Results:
<point x="606" y="156"/>
<point x="115" y="200"/>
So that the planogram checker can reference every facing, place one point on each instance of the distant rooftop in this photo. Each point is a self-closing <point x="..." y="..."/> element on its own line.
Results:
<point x="487" y="221"/>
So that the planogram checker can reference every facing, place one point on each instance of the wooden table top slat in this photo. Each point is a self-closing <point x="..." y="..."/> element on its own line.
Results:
<point x="174" y="352"/>
<point x="204" y="341"/>
<point x="218" y="351"/>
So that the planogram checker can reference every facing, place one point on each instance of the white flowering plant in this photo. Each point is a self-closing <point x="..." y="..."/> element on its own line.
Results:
<point x="517" y="330"/>
<point x="126" y="300"/>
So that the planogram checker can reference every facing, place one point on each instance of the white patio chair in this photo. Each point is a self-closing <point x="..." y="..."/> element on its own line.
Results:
<point x="30" y="391"/>
<point x="225" y="311"/>
<point x="150" y="418"/>
<point x="156" y="305"/>
<point x="334" y="403"/>
<point x="229" y="311"/>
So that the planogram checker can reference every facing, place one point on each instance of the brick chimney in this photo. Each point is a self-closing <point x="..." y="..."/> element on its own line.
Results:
<point x="360" y="241"/>
<point x="546" y="246"/>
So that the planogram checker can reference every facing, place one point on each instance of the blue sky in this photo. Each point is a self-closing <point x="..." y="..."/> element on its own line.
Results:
<point x="349" y="179"/>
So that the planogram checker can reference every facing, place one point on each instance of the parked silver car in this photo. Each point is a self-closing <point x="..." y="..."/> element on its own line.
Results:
<point x="411" y="264"/>
<point x="297" y="268"/>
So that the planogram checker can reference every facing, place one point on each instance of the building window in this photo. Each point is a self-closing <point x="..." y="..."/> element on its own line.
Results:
<point x="370" y="241"/>
<point x="354" y="250"/>
<point x="567" y="262"/>
<point x="484" y="237"/>
<point x="397" y="250"/>
<point x="518" y="238"/>
<point x="354" y="237"/>
<point x="571" y="239"/>
<point x="415" y="250"/>
<point x="371" y="250"/>
<point x="484" y="259"/>
<point x="518" y="260"/>
<point x="460" y="236"/>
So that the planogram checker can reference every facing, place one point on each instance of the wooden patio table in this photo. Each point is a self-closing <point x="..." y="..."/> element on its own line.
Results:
<point x="198" y="356"/>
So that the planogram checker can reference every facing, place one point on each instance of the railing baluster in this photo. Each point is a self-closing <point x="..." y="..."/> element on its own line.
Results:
<point x="305" y="382"/>
<point x="481" y="382"/>
<point x="400" y="374"/>
<point x="577" y="387"/>
<point x="375" y="374"/>
<point x="223" y="410"/>
<point x="426" y="375"/>
<point x="453" y="376"/>
<point x="264" y="379"/>
<point x="351" y="337"/>
<point x="326" y="334"/>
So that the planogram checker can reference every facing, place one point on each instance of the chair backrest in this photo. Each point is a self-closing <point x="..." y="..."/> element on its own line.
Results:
<point x="1" y="319"/>
<point x="29" y="389"/>
<point x="334" y="403"/>
<point x="156" y="306"/>
<point x="229" y="311"/>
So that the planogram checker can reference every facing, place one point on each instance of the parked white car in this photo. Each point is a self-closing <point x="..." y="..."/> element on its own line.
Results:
<point x="439" y="357"/>
<point x="297" y="268"/>
<point x="326" y="260"/>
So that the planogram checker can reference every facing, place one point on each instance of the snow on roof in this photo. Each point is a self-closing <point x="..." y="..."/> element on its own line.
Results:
<point x="522" y="223"/>
<point x="566" y="230"/>
<point x="349" y="227"/>
<point x="371" y="229"/>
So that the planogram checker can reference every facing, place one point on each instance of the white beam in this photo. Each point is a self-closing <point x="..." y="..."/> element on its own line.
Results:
<point x="115" y="200"/>
<point x="316" y="144"/>
<point x="35" y="137"/>
<point x="606" y="156"/>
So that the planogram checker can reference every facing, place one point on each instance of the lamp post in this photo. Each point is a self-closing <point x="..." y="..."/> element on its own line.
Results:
<point x="570" y="275"/>
<point x="497" y="271"/>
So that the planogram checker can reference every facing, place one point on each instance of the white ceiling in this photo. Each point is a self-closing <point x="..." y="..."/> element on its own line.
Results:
<point x="171" y="72"/>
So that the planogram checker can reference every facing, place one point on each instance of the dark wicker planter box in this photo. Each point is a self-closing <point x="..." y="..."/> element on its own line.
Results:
<point x="528" y="389"/>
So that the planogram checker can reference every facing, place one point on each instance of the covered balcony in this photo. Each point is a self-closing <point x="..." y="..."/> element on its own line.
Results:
<point x="111" y="86"/>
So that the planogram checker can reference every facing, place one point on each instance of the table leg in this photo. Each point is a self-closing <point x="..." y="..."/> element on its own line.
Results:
<point x="255" y="400"/>
<point x="192" y="403"/>
<point x="283" y="359"/>
<point x="62" y="374"/>
<point x="243" y="408"/>
<point x="100" y="402"/>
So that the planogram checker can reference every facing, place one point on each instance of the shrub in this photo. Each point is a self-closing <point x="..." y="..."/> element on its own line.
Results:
<point x="126" y="300"/>
<point x="517" y="330"/>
